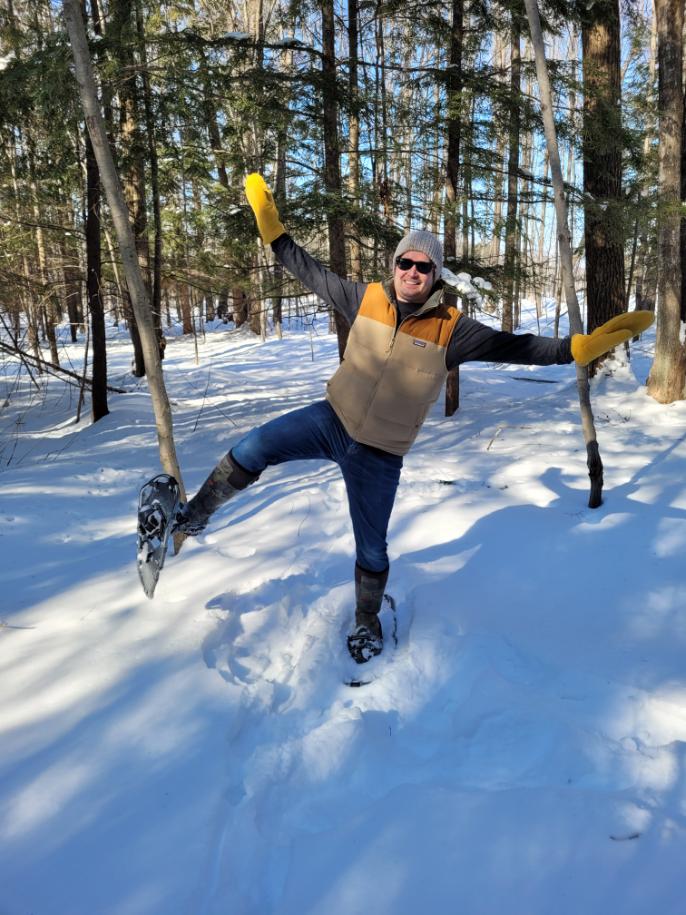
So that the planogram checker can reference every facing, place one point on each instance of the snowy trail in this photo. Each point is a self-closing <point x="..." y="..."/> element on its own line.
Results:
<point x="199" y="753"/>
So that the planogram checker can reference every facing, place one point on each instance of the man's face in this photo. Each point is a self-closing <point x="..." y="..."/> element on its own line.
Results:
<point x="411" y="285"/>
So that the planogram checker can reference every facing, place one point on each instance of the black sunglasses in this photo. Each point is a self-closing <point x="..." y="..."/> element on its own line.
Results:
<point x="406" y="263"/>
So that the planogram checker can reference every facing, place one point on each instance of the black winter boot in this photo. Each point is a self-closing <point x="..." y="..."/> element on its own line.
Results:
<point x="366" y="640"/>
<point x="227" y="478"/>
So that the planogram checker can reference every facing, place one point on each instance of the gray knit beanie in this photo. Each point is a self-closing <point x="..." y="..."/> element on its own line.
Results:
<point x="427" y="243"/>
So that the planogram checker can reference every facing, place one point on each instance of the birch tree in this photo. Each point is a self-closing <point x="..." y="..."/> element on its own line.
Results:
<point x="594" y="461"/>
<point x="121" y="218"/>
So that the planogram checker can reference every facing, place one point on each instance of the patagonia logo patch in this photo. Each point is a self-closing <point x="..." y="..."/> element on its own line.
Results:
<point x="419" y="342"/>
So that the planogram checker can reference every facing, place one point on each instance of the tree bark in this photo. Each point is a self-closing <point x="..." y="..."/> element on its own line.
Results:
<point x="184" y="300"/>
<point x="602" y="153"/>
<point x="668" y="373"/>
<point x="240" y="306"/>
<point x="120" y="216"/>
<point x="99" y="404"/>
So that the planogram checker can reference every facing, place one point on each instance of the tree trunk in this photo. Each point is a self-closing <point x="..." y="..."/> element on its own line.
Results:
<point x="94" y="284"/>
<point x="646" y="255"/>
<point x="454" y="120"/>
<point x="72" y="285"/>
<point x="332" y="165"/>
<point x="499" y="159"/>
<point x="602" y="151"/>
<point x="240" y="306"/>
<point x="214" y="134"/>
<point x="668" y="372"/>
<point x="542" y="263"/>
<point x="256" y="305"/>
<point x="184" y="300"/>
<point x="27" y="296"/>
<point x="120" y="216"/>
<point x="511" y="244"/>
<point x="48" y="312"/>
<point x="151" y="132"/>
<point x="594" y="461"/>
<point x="682" y="245"/>
<point x="133" y="167"/>
<point x="278" y="270"/>
<point x="354" y="137"/>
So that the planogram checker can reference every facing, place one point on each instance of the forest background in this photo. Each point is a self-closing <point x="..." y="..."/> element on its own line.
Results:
<point x="367" y="119"/>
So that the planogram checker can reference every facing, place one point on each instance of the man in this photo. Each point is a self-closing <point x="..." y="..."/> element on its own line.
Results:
<point x="404" y="338"/>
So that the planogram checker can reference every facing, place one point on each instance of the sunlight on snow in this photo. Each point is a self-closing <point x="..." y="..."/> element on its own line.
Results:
<point x="671" y="538"/>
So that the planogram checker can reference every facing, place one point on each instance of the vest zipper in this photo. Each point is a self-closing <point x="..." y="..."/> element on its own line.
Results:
<point x="415" y="314"/>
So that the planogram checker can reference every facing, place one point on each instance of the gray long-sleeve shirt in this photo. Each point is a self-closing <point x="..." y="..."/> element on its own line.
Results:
<point x="471" y="341"/>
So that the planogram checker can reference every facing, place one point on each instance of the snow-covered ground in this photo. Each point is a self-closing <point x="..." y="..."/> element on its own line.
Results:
<point x="524" y="750"/>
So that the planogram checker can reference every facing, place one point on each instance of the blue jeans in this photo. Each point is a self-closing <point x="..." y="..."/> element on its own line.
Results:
<point x="371" y="476"/>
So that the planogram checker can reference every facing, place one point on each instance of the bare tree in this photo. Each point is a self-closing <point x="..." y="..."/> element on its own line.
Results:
<point x="120" y="216"/>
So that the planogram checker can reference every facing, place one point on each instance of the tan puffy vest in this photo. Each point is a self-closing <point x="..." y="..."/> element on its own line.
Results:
<point x="389" y="378"/>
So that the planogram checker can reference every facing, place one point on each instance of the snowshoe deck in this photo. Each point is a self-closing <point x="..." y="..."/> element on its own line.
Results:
<point x="158" y="503"/>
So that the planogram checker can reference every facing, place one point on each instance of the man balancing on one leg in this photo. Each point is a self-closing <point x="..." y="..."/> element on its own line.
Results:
<point x="404" y="339"/>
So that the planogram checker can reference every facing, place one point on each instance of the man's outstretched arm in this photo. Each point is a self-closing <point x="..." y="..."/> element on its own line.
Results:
<point x="473" y="341"/>
<point x="338" y="292"/>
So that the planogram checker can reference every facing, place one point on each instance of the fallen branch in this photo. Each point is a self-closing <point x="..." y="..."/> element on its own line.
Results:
<point x="19" y="352"/>
<point x="28" y="360"/>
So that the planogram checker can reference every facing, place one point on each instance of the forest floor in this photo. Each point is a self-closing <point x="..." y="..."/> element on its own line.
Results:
<point x="524" y="747"/>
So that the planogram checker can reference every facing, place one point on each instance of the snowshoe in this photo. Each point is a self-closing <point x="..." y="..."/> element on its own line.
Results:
<point x="158" y="504"/>
<point x="364" y="643"/>
<point x="366" y="647"/>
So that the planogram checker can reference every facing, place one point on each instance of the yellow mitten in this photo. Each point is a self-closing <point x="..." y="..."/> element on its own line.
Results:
<point x="261" y="200"/>
<point x="587" y="347"/>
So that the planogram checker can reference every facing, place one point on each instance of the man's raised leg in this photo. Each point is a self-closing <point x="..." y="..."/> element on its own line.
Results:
<point x="227" y="478"/>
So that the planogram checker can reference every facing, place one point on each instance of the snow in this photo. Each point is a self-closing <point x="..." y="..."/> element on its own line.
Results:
<point x="465" y="285"/>
<point x="524" y="749"/>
